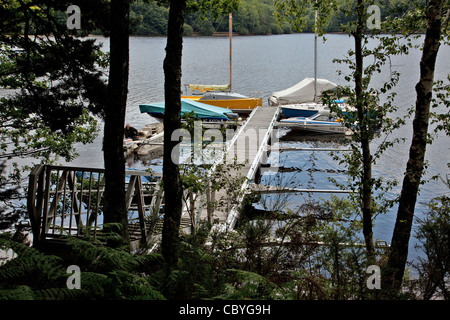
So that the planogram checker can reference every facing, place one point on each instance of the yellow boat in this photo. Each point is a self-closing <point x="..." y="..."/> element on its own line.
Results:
<point x="234" y="101"/>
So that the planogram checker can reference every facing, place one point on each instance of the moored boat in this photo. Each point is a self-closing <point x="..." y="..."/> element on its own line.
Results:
<point x="319" y="123"/>
<point x="236" y="102"/>
<point x="308" y="90"/>
<point x="222" y="96"/>
<point x="312" y="108"/>
<point x="201" y="110"/>
<point x="304" y="99"/>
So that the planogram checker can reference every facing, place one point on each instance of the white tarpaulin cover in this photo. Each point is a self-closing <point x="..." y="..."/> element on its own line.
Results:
<point x="302" y="92"/>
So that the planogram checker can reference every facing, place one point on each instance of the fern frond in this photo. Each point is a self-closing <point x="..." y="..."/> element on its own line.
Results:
<point x="247" y="285"/>
<point x="229" y="292"/>
<point x="97" y="257"/>
<point x="96" y="285"/>
<point x="149" y="262"/>
<point x="199" y="292"/>
<point x="17" y="293"/>
<point x="132" y="286"/>
<point x="114" y="259"/>
<point x="58" y="294"/>
<point x="31" y="267"/>
<point x="83" y="251"/>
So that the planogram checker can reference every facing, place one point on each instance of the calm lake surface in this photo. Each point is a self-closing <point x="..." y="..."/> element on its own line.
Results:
<point x="264" y="64"/>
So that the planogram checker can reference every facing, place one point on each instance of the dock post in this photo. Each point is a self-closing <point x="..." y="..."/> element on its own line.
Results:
<point x="209" y="208"/>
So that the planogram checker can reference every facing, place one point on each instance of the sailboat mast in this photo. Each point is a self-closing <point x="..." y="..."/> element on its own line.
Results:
<point x="230" y="31"/>
<point x="315" y="56"/>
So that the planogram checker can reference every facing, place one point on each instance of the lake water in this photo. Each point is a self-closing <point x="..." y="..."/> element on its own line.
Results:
<point x="264" y="64"/>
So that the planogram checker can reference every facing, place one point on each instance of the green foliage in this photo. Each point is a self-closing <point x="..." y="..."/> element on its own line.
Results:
<point x="8" y="192"/>
<point x="206" y="17"/>
<point x="339" y="16"/>
<point x="263" y="17"/>
<point x="53" y="81"/>
<point x="106" y="273"/>
<point x="441" y="118"/>
<point x="234" y="265"/>
<point x="32" y="275"/>
<point x="197" y="275"/>
<point x="247" y="285"/>
<point x="149" y="18"/>
<point x="434" y="237"/>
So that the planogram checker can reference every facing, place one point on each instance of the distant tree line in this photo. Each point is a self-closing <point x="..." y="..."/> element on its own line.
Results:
<point x="253" y="17"/>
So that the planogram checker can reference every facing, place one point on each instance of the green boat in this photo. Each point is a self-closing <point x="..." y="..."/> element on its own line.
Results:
<point x="202" y="110"/>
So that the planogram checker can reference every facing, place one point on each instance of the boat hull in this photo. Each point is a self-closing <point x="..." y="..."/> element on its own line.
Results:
<point x="324" y="129"/>
<point x="310" y="109"/>
<point x="200" y="109"/>
<point x="290" y="112"/>
<point x="329" y="127"/>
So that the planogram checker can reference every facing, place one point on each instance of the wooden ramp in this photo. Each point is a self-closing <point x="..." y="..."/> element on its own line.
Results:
<point x="68" y="201"/>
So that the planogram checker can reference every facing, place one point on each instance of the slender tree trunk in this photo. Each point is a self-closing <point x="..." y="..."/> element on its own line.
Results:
<point x="393" y="275"/>
<point x="172" y="122"/>
<point x="115" y="207"/>
<point x="367" y="201"/>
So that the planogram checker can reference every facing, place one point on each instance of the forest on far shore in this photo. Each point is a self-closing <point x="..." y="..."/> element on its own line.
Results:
<point x="254" y="17"/>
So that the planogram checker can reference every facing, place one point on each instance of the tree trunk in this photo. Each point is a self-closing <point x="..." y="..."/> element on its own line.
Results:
<point x="172" y="122"/>
<point x="400" y="240"/>
<point x="115" y="207"/>
<point x="367" y="200"/>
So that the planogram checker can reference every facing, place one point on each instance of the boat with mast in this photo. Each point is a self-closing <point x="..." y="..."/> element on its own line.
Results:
<point x="304" y="98"/>
<point x="222" y="95"/>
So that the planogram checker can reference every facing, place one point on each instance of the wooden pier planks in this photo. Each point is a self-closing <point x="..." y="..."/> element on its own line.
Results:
<point x="247" y="148"/>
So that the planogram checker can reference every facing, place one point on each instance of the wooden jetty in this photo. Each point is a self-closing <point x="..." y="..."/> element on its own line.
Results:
<point x="248" y="148"/>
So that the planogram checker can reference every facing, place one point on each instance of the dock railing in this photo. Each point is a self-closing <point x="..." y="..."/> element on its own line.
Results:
<point x="65" y="201"/>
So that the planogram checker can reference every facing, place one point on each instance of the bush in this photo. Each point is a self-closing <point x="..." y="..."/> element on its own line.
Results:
<point x="434" y="237"/>
<point x="187" y="30"/>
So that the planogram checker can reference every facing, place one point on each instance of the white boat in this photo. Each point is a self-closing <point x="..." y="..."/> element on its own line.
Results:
<point x="319" y="123"/>
<point x="309" y="90"/>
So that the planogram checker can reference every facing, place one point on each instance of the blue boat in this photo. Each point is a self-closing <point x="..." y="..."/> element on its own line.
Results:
<point x="202" y="110"/>
<point x="312" y="108"/>
<point x="304" y="109"/>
